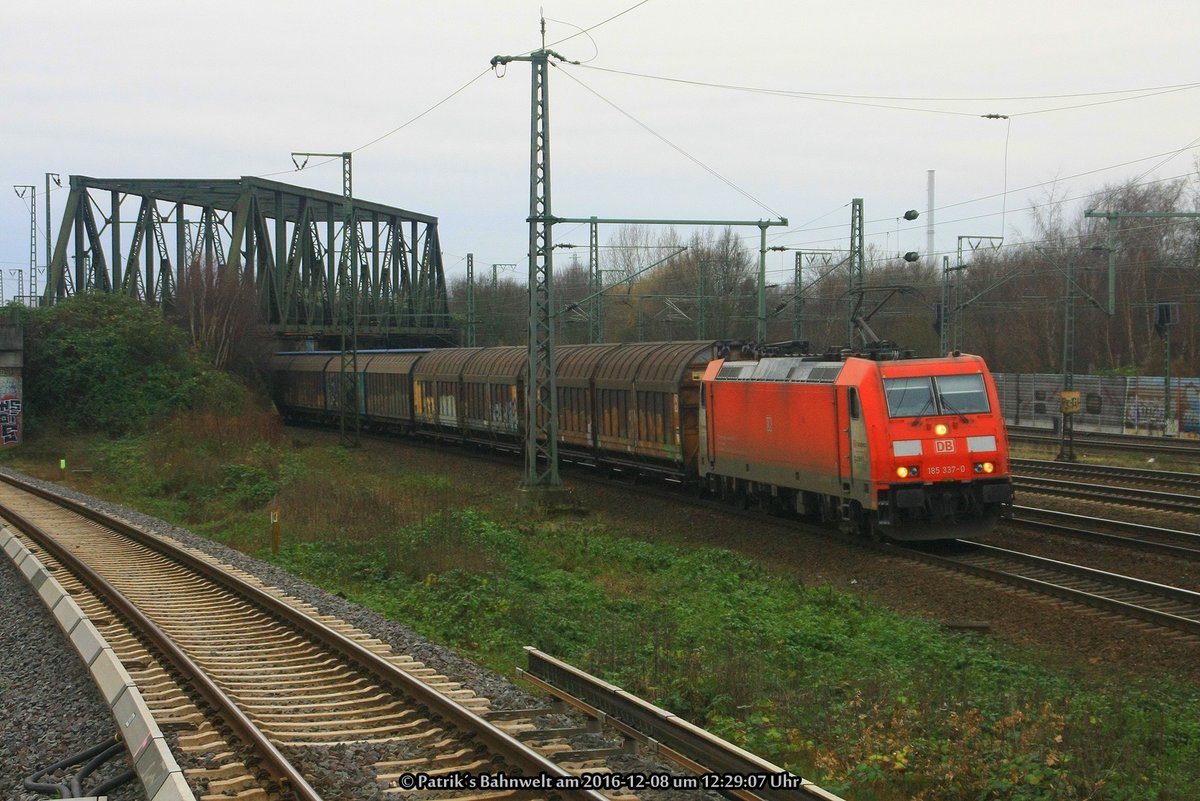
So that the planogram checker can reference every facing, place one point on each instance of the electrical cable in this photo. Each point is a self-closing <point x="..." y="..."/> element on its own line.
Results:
<point x="91" y="759"/>
<point x="677" y="148"/>
<point x="1102" y="102"/>
<point x="1004" y="194"/>
<point x="395" y="130"/>
<point x="595" y="47"/>
<point x="854" y="99"/>
<point x="1169" y="155"/>
<point x="404" y="125"/>
<point x="602" y="22"/>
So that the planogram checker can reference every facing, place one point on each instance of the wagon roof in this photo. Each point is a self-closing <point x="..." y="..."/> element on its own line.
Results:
<point x="504" y="363"/>
<point x="658" y="366"/>
<point x="401" y="363"/>
<point x="575" y="365"/>
<point x="302" y="362"/>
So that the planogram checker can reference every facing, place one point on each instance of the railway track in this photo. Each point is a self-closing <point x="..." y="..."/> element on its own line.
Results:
<point x="1108" y="442"/>
<point x="1153" y="539"/>
<point x="1158" y="604"/>
<point x="1151" y="499"/>
<point x="253" y="687"/>
<point x="730" y="770"/>
<point x="1183" y="483"/>
<point x="1161" y="605"/>
<point x="252" y="683"/>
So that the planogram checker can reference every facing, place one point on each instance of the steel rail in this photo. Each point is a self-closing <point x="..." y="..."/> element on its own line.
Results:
<point x="1138" y="474"/>
<point x="274" y="762"/>
<point x="1090" y="439"/>
<point x="1190" y="625"/>
<point x="1166" y="501"/>
<point x="680" y="741"/>
<point x="514" y="751"/>
<point x="1067" y="523"/>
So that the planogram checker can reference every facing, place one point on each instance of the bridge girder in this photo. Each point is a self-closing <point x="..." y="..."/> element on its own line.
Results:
<point x="286" y="239"/>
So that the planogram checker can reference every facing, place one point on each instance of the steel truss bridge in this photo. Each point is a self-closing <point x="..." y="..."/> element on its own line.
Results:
<point x="288" y="240"/>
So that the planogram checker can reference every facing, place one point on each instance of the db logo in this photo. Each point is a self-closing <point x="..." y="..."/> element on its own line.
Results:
<point x="944" y="446"/>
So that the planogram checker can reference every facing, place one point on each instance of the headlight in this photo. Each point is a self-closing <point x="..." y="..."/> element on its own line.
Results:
<point x="908" y="472"/>
<point x="940" y="429"/>
<point x="985" y="467"/>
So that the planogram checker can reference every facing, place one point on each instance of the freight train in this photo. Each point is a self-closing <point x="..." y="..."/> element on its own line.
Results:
<point x="910" y="449"/>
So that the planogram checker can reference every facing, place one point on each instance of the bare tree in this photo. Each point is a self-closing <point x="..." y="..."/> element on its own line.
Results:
<point x="218" y="306"/>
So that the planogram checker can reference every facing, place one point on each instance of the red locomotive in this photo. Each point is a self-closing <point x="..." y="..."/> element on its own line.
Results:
<point x="913" y="449"/>
<point x="908" y="449"/>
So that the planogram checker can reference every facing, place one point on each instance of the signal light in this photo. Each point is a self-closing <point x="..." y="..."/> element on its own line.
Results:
<point x="985" y="467"/>
<point x="940" y="429"/>
<point x="907" y="472"/>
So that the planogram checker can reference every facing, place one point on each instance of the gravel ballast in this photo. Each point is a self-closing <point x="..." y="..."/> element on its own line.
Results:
<point x="49" y="707"/>
<point x="346" y="766"/>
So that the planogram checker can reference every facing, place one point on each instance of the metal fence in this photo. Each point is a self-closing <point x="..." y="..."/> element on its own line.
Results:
<point x="1115" y="405"/>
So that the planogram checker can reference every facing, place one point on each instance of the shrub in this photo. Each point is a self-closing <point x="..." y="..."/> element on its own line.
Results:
<point x="105" y="362"/>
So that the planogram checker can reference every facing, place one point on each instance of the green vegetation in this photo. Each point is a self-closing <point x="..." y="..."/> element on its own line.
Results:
<point x="871" y="704"/>
<point x="866" y="702"/>
<point x="102" y="362"/>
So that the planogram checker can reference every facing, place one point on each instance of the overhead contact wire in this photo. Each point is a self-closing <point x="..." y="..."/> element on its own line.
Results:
<point x="395" y="130"/>
<point x="676" y="147"/>
<point x="853" y="99"/>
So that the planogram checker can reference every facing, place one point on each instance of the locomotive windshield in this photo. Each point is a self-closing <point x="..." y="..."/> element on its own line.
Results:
<point x="908" y="397"/>
<point x="945" y="394"/>
<point x="962" y="394"/>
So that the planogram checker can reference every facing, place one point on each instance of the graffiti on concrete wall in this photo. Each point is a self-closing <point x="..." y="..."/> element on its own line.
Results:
<point x="10" y="410"/>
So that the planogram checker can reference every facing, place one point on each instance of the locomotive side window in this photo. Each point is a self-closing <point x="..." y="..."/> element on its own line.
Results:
<point x="962" y="394"/>
<point x="909" y="397"/>
<point x="852" y="397"/>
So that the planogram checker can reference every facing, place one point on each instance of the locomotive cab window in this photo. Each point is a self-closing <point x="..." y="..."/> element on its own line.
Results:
<point x="909" y="397"/>
<point x="946" y="394"/>
<point x="962" y="394"/>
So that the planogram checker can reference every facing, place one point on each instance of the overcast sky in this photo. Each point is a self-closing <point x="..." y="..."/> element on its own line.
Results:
<point x="223" y="89"/>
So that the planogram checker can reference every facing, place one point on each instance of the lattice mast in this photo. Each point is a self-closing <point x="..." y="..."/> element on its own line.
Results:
<point x="857" y="267"/>
<point x="346" y="299"/>
<point x="541" y="392"/>
<point x="347" y="296"/>
<point x="470" y="300"/>
<point x="21" y="189"/>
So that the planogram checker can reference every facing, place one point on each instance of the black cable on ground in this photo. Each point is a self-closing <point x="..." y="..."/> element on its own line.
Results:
<point x="91" y="759"/>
